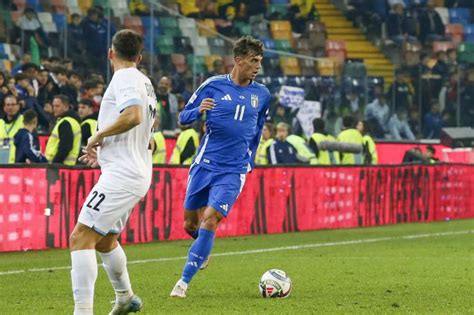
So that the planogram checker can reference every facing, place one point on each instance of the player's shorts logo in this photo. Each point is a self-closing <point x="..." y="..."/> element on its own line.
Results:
<point x="254" y="101"/>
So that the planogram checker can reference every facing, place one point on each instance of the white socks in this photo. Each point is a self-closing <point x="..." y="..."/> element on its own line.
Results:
<point x="83" y="275"/>
<point x="115" y="264"/>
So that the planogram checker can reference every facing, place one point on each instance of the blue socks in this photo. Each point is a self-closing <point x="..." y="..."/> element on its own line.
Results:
<point x="198" y="253"/>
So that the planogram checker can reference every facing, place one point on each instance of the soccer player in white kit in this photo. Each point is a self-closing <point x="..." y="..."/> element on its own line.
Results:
<point x="121" y="147"/>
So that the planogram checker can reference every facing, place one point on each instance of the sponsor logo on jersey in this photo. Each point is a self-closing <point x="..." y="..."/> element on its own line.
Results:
<point x="226" y="98"/>
<point x="254" y="101"/>
<point x="241" y="97"/>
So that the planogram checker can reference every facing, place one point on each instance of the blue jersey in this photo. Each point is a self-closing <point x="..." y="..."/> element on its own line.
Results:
<point x="233" y="126"/>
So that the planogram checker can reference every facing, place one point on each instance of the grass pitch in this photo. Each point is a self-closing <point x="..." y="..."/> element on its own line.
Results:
<point x="415" y="268"/>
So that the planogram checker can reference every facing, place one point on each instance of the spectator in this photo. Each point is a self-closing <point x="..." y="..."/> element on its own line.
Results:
<point x="88" y="118"/>
<point x="159" y="147"/>
<point x="31" y="70"/>
<point x="303" y="153"/>
<point x="369" y="151"/>
<point x="25" y="58"/>
<point x="3" y="88"/>
<point x="217" y="68"/>
<point x="467" y="100"/>
<point x="353" y="105"/>
<point x="441" y="67"/>
<point x="433" y="122"/>
<point x="414" y="122"/>
<point x="430" y="154"/>
<point x="377" y="115"/>
<point x="324" y="157"/>
<point x="74" y="84"/>
<point x="400" y="93"/>
<point x="280" y="151"/>
<point x="265" y="141"/>
<point x="45" y="88"/>
<point x="26" y="141"/>
<point x="10" y="124"/>
<point x="186" y="146"/>
<point x="350" y="135"/>
<point x="30" y="27"/>
<point x="398" y="126"/>
<point x="23" y="86"/>
<point x="90" y="91"/>
<point x="431" y="24"/>
<point x="397" y="26"/>
<point x="283" y="114"/>
<point x="59" y="77"/>
<point x="414" y="155"/>
<point x="75" y="40"/>
<point x="95" y="30"/>
<point x="64" y="143"/>
<point x="11" y="85"/>
<point x="168" y="104"/>
<point x="452" y="59"/>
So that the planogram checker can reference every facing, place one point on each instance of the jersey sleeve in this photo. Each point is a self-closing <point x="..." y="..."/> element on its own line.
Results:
<point x="127" y="91"/>
<point x="260" y="122"/>
<point x="190" y="112"/>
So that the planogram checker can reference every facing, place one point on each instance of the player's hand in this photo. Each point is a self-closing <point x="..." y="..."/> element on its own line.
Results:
<point x="206" y="104"/>
<point x="92" y="144"/>
<point x="88" y="160"/>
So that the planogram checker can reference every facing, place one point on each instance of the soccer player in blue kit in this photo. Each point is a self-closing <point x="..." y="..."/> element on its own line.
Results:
<point x="236" y="107"/>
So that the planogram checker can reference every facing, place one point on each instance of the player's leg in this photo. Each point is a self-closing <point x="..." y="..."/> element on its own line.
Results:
<point x="84" y="267"/>
<point x="192" y="219"/>
<point x="115" y="265"/>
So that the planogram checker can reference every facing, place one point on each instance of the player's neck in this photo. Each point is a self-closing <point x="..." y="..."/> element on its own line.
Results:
<point x="237" y="79"/>
<point x="121" y="64"/>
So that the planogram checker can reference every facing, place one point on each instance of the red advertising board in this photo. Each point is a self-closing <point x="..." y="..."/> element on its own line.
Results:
<point x="39" y="206"/>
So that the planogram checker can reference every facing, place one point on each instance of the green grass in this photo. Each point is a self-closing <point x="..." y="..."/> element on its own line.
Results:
<point x="433" y="274"/>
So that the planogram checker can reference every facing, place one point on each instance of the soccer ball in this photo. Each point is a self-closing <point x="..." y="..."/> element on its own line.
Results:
<point x="275" y="283"/>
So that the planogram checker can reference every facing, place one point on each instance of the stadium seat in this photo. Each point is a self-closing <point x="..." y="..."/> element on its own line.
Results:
<point x="277" y="11"/>
<point x="466" y="52"/>
<point x="164" y="44"/>
<point x="58" y="6"/>
<point x="243" y="28"/>
<point x="207" y="28"/>
<point x="186" y="23"/>
<point x="456" y="31"/>
<point x="438" y="46"/>
<point x="308" y="67"/>
<point x="459" y="15"/>
<point x="84" y="5"/>
<point x="168" y="22"/>
<point x="356" y="70"/>
<point x="34" y="4"/>
<point x="201" y="48"/>
<point x="60" y="21"/>
<point x="281" y="30"/>
<point x="326" y="67"/>
<point x="147" y="24"/>
<point x="268" y="43"/>
<point x="216" y="45"/>
<point x="197" y="63"/>
<point x="283" y="44"/>
<point x="272" y="66"/>
<point x="183" y="45"/>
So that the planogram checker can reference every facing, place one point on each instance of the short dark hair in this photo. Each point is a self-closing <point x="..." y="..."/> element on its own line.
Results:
<point x="86" y="102"/>
<point x="431" y="149"/>
<point x="439" y="53"/>
<point x="319" y="125"/>
<point x="247" y="45"/>
<point x="450" y="50"/>
<point x="60" y="70"/>
<point x="127" y="44"/>
<point x="21" y="76"/>
<point x="74" y="73"/>
<point x="63" y="99"/>
<point x="349" y="121"/>
<point x="29" y="115"/>
<point x="89" y="84"/>
<point x="29" y="65"/>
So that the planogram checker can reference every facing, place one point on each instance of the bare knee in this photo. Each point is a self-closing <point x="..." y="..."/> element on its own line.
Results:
<point x="83" y="237"/>
<point x="190" y="225"/>
<point x="211" y="221"/>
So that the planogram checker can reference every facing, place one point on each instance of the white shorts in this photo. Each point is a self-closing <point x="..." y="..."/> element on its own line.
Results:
<point x="106" y="209"/>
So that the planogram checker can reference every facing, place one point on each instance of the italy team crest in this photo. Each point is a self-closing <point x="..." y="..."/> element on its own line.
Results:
<point x="254" y="101"/>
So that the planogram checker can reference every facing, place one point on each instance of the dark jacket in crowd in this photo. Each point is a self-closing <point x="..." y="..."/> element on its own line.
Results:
<point x="281" y="152"/>
<point x="430" y="23"/>
<point x="27" y="147"/>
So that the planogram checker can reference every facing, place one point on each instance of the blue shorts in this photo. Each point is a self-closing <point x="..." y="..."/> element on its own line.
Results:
<point x="216" y="190"/>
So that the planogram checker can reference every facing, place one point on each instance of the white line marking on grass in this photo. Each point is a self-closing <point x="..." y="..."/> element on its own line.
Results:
<point x="264" y="250"/>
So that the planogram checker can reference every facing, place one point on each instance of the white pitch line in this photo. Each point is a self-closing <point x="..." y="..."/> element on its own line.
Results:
<point x="265" y="250"/>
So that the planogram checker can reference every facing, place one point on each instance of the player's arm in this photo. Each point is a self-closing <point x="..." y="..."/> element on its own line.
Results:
<point x="130" y="117"/>
<point x="199" y="102"/>
<point x="256" y="140"/>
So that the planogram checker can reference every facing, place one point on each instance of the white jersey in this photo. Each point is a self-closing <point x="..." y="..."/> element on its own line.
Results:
<point x="126" y="159"/>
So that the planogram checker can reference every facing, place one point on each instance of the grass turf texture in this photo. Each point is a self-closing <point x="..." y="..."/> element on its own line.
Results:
<point x="432" y="274"/>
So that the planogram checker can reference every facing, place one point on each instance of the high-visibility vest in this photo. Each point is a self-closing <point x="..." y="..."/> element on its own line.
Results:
<point x="92" y="125"/>
<point x="325" y="157"/>
<point x="369" y="146"/>
<point x="7" y="133"/>
<point x="261" y="154"/>
<point x="303" y="152"/>
<point x="351" y="136"/>
<point x="183" y="139"/>
<point x="53" y="141"/>
<point x="159" y="156"/>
